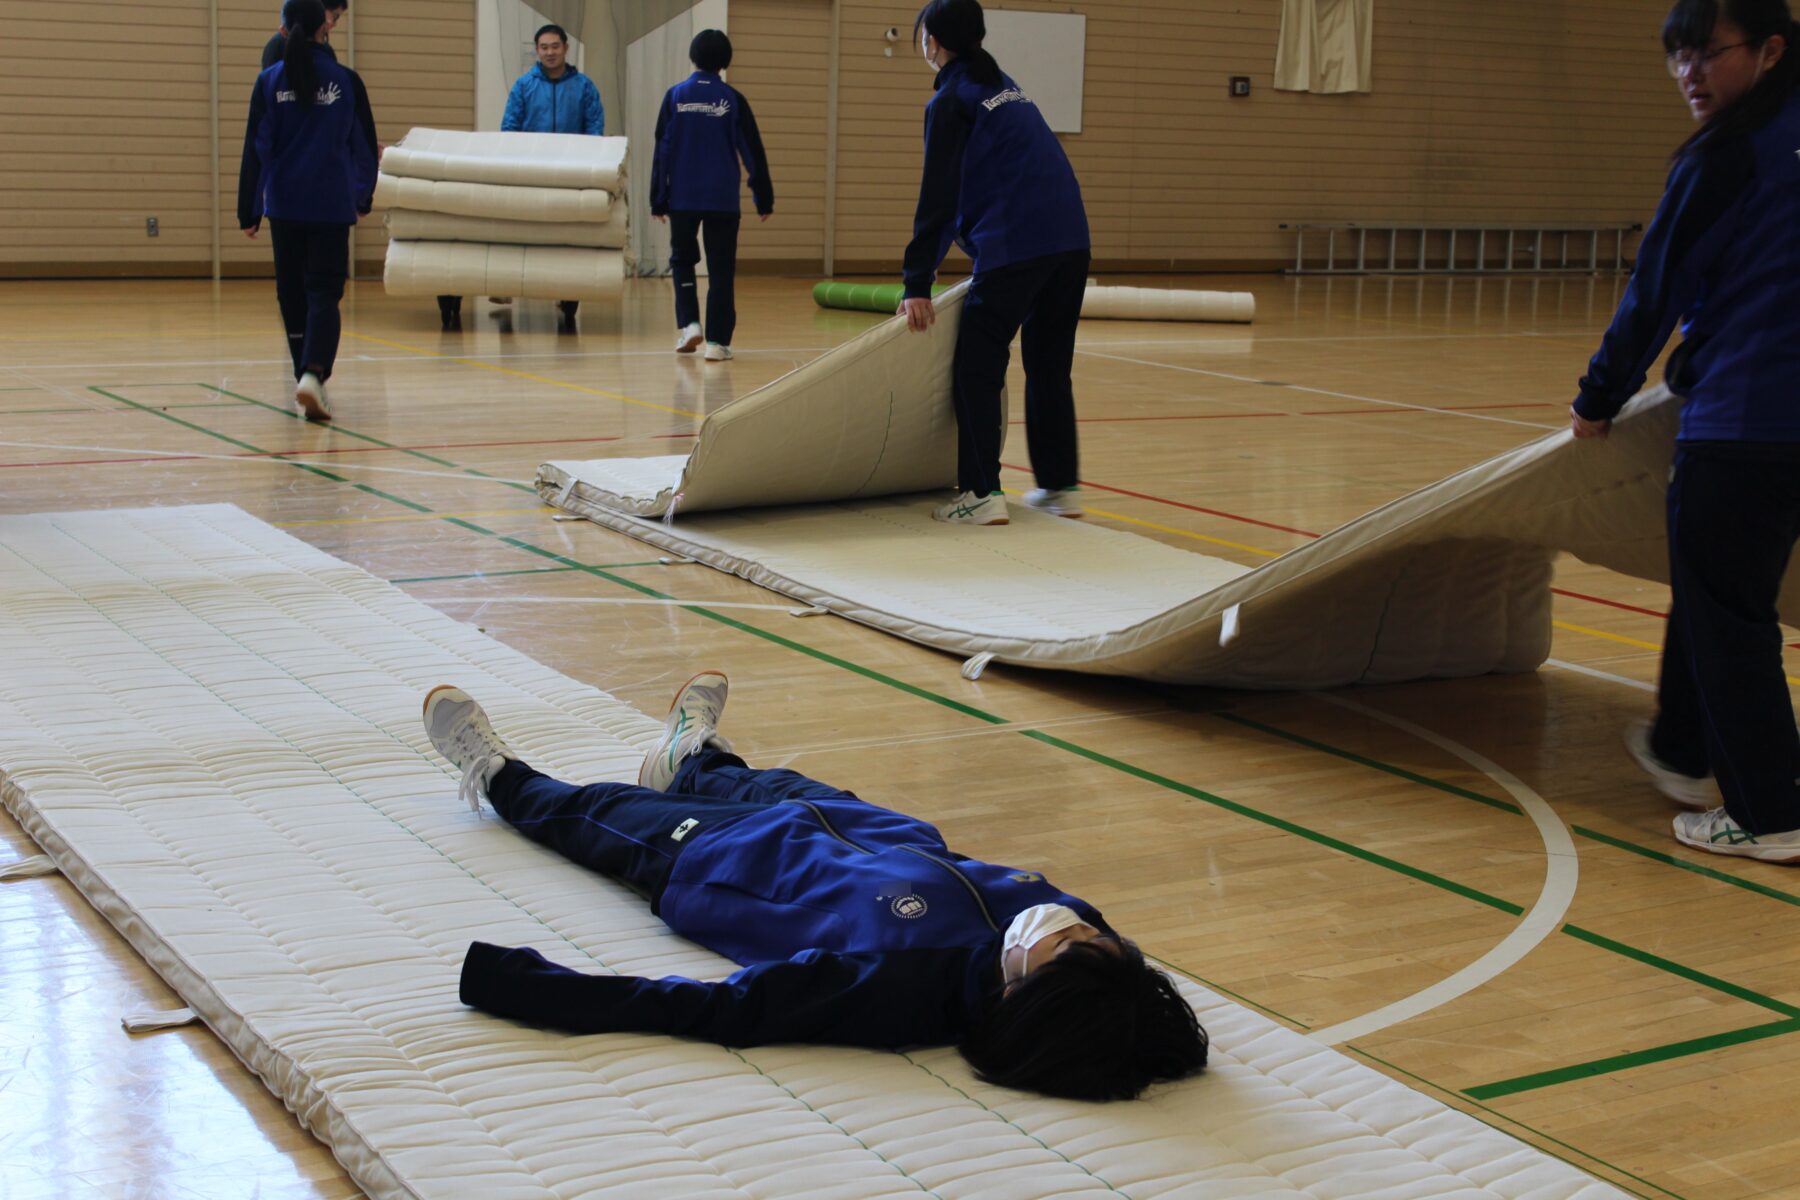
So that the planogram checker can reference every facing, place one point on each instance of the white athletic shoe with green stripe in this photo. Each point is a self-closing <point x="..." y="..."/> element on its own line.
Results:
<point x="693" y="722"/>
<point x="1716" y="832"/>
<point x="970" y="509"/>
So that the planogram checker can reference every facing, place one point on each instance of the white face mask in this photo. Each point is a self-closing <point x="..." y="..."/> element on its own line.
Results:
<point x="925" y="49"/>
<point x="1033" y="926"/>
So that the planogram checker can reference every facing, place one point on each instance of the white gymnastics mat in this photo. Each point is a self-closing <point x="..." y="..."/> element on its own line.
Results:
<point x="213" y="729"/>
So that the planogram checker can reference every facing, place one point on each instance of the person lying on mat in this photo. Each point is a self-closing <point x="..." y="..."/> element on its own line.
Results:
<point x="856" y="925"/>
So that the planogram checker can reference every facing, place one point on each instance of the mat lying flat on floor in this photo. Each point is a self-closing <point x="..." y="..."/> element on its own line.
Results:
<point x="1452" y="580"/>
<point x="546" y="160"/>
<point x="213" y="728"/>
<point x="477" y="269"/>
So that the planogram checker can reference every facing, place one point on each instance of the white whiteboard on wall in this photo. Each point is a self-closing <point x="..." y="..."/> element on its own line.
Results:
<point x="1046" y="54"/>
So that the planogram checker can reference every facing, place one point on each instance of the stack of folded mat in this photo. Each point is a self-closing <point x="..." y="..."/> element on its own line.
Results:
<point x="504" y="214"/>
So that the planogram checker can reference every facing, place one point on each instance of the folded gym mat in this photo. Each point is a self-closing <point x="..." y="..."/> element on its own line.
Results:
<point x="1452" y="580"/>
<point x="475" y="269"/>
<point x="547" y="160"/>
<point x="498" y="201"/>
<point x="213" y="729"/>
<point x="443" y="227"/>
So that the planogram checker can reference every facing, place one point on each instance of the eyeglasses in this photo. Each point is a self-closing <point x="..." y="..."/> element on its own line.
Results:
<point x="1686" y="62"/>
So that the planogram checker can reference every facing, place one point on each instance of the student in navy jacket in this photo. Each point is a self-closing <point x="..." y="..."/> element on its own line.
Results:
<point x="309" y="167"/>
<point x="998" y="183"/>
<point x="1722" y="259"/>
<point x="857" y="925"/>
<point x="704" y="127"/>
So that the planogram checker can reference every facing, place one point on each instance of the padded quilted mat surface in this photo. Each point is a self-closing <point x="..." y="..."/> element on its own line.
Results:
<point x="213" y="729"/>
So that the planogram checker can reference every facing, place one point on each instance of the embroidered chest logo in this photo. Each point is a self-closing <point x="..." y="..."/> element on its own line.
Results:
<point x="909" y="907"/>
<point x="717" y="108"/>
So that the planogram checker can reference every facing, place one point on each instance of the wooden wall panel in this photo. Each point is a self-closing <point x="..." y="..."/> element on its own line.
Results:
<point x="781" y="56"/>
<point x="98" y="138"/>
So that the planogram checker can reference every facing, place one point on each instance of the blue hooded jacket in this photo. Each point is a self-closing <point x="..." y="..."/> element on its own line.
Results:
<point x="1723" y="258"/>
<point x="703" y="128"/>
<point x="996" y="180"/>
<point x="308" y="162"/>
<point x="540" y="104"/>
<point x="860" y="927"/>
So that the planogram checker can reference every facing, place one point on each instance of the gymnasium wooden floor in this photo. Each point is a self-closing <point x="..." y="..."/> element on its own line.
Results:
<point x="1316" y="859"/>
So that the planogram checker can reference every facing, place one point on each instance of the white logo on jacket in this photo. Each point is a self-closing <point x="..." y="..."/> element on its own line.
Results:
<point x="1006" y="97"/>
<point x="330" y="94"/>
<point x="909" y="907"/>
<point x="717" y="108"/>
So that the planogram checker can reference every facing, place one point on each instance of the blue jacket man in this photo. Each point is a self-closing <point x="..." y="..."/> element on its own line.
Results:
<point x="567" y="102"/>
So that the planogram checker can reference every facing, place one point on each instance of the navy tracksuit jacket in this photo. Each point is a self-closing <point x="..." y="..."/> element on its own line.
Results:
<point x="703" y="128"/>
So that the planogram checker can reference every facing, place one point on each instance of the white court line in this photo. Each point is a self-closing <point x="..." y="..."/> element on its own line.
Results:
<point x="291" y="461"/>
<point x="1343" y="337"/>
<point x="1561" y="871"/>
<point x="427" y="356"/>
<point x="1145" y="362"/>
<point x="1639" y="684"/>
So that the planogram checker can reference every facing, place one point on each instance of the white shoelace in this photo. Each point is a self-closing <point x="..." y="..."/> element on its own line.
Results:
<point x="474" y="783"/>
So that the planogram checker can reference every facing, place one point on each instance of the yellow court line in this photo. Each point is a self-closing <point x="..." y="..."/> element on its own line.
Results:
<point x="1622" y="640"/>
<point x="573" y="387"/>
<point x="431" y="516"/>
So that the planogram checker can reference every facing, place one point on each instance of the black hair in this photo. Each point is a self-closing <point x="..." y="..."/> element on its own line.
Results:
<point x="561" y="34"/>
<point x="960" y="28"/>
<point x="1088" y="1025"/>
<point x="710" y="50"/>
<point x="302" y="19"/>
<point x="1690" y="25"/>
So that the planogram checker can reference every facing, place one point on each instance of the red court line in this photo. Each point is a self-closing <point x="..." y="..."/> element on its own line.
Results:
<point x="1316" y="412"/>
<point x="103" y="462"/>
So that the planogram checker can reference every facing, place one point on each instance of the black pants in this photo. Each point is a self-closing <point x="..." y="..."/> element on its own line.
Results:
<point x="312" y="260"/>
<point x="720" y="230"/>
<point x="1723" y="704"/>
<point x="634" y="834"/>
<point x="1042" y="295"/>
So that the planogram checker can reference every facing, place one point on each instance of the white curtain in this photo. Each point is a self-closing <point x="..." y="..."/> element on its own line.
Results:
<point x="1325" y="46"/>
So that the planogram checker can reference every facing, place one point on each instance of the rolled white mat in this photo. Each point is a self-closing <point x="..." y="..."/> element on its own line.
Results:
<point x="558" y="160"/>
<point x="501" y="201"/>
<point x="1165" y="304"/>
<point x="445" y="227"/>
<point x="475" y="269"/>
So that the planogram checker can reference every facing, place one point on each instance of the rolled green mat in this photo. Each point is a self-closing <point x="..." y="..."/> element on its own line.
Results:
<point x="864" y="297"/>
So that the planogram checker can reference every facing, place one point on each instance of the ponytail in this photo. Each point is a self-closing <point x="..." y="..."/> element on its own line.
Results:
<point x="302" y="19"/>
<point x="1690" y="27"/>
<point x="960" y="28"/>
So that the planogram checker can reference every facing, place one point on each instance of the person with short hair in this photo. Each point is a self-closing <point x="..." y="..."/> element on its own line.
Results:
<point x="552" y="97"/>
<point x="703" y="129"/>
<point x="308" y="166"/>
<point x="276" y="46"/>
<point x="856" y="924"/>
<point x="1722" y="261"/>
<point x="997" y="182"/>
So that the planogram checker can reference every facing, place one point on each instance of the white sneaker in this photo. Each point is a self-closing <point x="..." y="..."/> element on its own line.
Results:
<point x="718" y="353"/>
<point x="1689" y="791"/>
<point x="970" y="509"/>
<point x="693" y="722"/>
<point x="462" y="733"/>
<point x="309" y="398"/>
<point x="1714" y="831"/>
<point x="1058" y="502"/>
<point x="688" y="340"/>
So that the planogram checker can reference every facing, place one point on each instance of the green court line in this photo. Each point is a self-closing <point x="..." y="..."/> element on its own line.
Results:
<point x="1689" y="973"/>
<point x="373" y="441"/>
<point x="655" y="562"/>
<point x="1635" y="1058"/>
<point x="1514" y="1121"/>
<point x="968" y="710"/>
<point x="1749" y="885"/>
